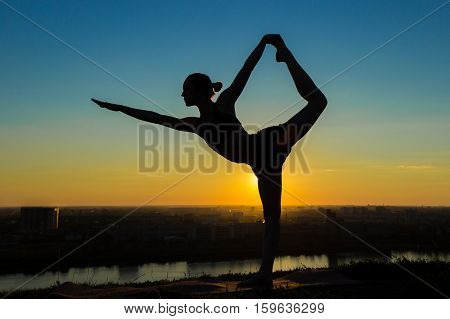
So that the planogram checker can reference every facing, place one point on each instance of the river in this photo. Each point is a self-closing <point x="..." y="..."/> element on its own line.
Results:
<point x="182" y="269"/>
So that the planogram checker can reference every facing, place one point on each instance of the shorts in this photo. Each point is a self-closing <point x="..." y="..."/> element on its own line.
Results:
<point x="268" y="150"/>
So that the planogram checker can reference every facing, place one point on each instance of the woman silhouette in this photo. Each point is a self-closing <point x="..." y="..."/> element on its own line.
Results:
<point x="264" y="151"/>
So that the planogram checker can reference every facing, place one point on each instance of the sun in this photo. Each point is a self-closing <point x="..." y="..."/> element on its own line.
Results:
<point x="254" y="180"/>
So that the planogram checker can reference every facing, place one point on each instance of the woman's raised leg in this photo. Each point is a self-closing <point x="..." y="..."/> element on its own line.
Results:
<point x="297" y="126"/>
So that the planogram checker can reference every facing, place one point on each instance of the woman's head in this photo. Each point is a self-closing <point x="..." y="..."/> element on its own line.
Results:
<point x="198" y="87"/>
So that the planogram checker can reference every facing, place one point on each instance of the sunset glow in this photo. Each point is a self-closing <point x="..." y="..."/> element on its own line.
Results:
<point x="383" y="139"/>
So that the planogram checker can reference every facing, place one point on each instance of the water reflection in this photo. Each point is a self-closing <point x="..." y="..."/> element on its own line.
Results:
<point x="178" y="270"/>
<point x="128" y="273"/>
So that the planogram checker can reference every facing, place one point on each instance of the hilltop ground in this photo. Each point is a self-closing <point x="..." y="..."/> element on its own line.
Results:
<point x="359" y="280"/>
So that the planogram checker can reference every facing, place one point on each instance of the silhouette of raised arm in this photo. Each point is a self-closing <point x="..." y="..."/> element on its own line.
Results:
<point x="229" y="96"/>
<point x="187" y="124"/>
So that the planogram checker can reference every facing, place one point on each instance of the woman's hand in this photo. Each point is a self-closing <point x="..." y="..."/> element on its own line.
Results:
<point x="277" y="41"/>
<point x="106" y="105"/>
<point x="274" y="39"/>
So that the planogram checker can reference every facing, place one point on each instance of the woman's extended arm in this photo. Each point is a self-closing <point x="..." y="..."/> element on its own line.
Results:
<point x="186" y="124"/>
<point x="232" y="93"/>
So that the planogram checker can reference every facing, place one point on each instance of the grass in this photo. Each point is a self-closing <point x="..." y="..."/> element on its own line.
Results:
<point x="402" y="279"/>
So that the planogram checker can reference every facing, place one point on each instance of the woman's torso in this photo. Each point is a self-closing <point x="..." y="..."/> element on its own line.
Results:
<point x="224" y="133"/>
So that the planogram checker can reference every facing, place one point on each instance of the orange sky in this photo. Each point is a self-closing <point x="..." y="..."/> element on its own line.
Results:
<point x="85" y="174"/>
<point x="383" y="139"/>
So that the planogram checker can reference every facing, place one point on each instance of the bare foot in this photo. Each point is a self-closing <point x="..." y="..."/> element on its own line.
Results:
<point x="258" y="279"/>
<point x="277" y="41"/>
<point x="281" y="54"/>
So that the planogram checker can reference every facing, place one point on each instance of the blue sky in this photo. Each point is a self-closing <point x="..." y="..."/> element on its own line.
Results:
<point x="154" y="45"/>
<point x="392" y="105"/>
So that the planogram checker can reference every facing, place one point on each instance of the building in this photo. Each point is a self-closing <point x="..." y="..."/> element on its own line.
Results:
<point x="236" y="216"/>
<point x="39" y="220"/>
<point x="411" y="214"/>
<point x="381" y="210"/>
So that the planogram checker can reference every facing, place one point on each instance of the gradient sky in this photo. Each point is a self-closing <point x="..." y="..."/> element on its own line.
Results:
<point x="383" y="139"/>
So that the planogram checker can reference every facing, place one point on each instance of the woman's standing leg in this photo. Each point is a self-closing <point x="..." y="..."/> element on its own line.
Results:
<point x="269" y="186"/>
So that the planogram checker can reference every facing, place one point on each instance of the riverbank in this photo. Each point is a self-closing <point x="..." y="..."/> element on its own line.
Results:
<point x="424" y="279"/>
<point x="31" y="258"/>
